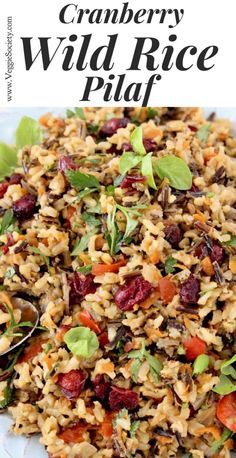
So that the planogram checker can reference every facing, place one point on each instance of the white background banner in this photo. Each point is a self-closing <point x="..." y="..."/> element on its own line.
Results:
<point x="194" y="25"/>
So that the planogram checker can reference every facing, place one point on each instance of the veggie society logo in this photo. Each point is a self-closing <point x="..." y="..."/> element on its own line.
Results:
<point x="126" y="54"/>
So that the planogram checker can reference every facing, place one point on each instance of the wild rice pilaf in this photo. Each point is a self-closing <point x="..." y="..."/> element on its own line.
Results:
<point x="120" y="226"/>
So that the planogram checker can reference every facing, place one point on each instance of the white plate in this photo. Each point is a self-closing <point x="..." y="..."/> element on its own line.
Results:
<point x="13" y="446"/>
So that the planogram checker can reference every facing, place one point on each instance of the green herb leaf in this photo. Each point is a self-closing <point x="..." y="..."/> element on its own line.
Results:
<point x="203" y="132"/>
<point x="81" y="244"/>
<point x="134" y="368"/>
<point x="8" y="160"/>
<point x="7" y="220"/>
<point x="225" y="386"/>
<point x="45" y="258"/>
<point x="131" y="223"/>
<point x="176" y="170"/>
<point x="47" y="348"/>
<point x="7" y="393"/>
<point x="85" y="193"/>
<point x="79" y="112"/>
<point x="110" y="190"/>
<point x="219" y="443"/>
<point x="181" y="350"/>
<point x="200" y="364"/>
<point x="81" y="341"/>
<point x="113" y="237"/>
<point x="154" y="364"/>
<point x="84" y="269"/>
<point x="169" y="265"/>
<point x="90" y="219"/>
<point x="81" y="180"/>
<point x="136" y="140"/>
<point x="118" y="180"/>
<point x="232" y="241"/>
<point x="147" y="170"/>
<point x="92" y="128"/>
<point x="151" y="113"/>
<point x="128" y="161"/>
<point x="142" y="354"/>
<point x="28" y="133"/>
<point x="228" y="369"/>
<point x="134" y="427"/>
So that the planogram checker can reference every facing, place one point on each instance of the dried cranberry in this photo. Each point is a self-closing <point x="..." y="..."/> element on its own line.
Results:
<point x="193" y="128"/>
<point x="126" y="147"/>
<point x="66" y="163"/>
<point x="3" y="189"/>
<point x="201" y="251"/>
<point x="216" y="253"/>
<point x="80" y="286"/>
<point x="149" y="145"/>
<point x="25" y="207"/>
<point x="15" y="178"/>
<point x="103" y="339"/>
<point x="101" y="387"/>
<point x="189" y="290"/>
<point x="194" y="188"/>
<point x="173" y="234"/>
<point x="111" y="126"/>
<point x="135" y="290"/>
<point x="129" y="180"/>
<point x="72" y="383"/>
<point x="120" y="398"/>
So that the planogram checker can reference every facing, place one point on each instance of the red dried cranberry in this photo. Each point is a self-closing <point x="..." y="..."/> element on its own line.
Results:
<point x="126" y="147"/>
<point x="72" y="383"/>
<point x="189" y="290"/>
<point x="172" y="234"/>
<point x="135" y="290"/>
<point x="80" y="286"/>
<point x="216" y="253"/>
<point x="111" y="126"/>
<point x="66" y="163"/>
<point x="194" y="188"/>
<point x="129" y="180"/>
<point x="15" y="178"/>
<point x="149" y="145"/>
<point x="101" y="387"/>
<point x="103" y="339"/>
<point x="192" y="128"/>
<point x="120" y="398"/>
<point x="201" y="251"/>
<point x="25" y="207"/>
<point x="3" y="189"/>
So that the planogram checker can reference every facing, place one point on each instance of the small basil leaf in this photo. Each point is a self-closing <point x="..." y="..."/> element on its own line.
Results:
<point x="219" y="443"/>
<point x="81" y="180"/>
<point x="8" y="160"/>
<point x="118" y="180"/>
<point x="136" y="140"/>
<point x="81" y="341"/>
<point x="84" y="269"/>
<point x="7" y="394"/>
<point x="80" y="113"/>
<point x="147" y="170"/>
<point x="45" y="258"/>
<point x="203" y="132"/>
<point x="225" y="386"/>
<point x="232" y="241"/>
<point x="28" y="133"/>
<point x="110" y="190"/>
<point x="200" y="364"/>
<point x="128" y="160"/>
<point x="176" y="170"/>
<point x="154" y="364"/>
<point x="134" y="427"/>
<point x="7" y="221"/>
<point x="169" y="265"/>
<point x="81" y="245"/>
<point x="228" y="369"/>
<point x="10" y="272"/>
<point x="151" y="113"/>
<point x="134" y="368"/>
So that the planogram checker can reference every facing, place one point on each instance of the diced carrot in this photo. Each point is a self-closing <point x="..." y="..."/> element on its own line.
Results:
<point x="48" y="360"/>
<point x="85" y="258"/>
<point x="60" y="122"/>
<point x="73" y="434"/>
<point x="207" y="266"/>
<point x="164" y="440"/>
<point x="100" y="269"/>
<point x="85" y="319"/>
<point x="32" y="351"/>
<point x="214" y="430"/>
<point x="106" y="426"/>
<point x="43" y="120"/>
<point x="150" y="300"/>
<point x="199" y="216"/>
<point x="154" y="257"/>
<point x="232" y="265"/>
<point x="167" y="289"/>
<point x="107" y="367"/>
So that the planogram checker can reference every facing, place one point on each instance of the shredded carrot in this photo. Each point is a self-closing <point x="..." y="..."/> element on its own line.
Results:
<point x="199" y="216"/>
<point x="32" y="351"/>
<point x="214" y="430"/>
<point x="232" y="265"/>
<point x="164" y="440"/>
<point x="150" y="300"/>
<point x="207" y="266"/>
<point x="85" y="259"/>
<point x="108" y="367"/>
<point x="70" y="212"/>
<point x="106" y="426"/>
<point x="43" y="120"/>
<point x="229" y="444"/>
<point x="100" y="269"/>
<point x="48" y="360"/>
<point x="86" y="319"/>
